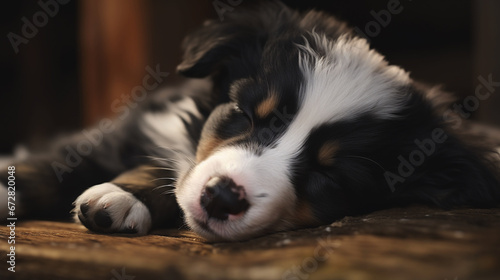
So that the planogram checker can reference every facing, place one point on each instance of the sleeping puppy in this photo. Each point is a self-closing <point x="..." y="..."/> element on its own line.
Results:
<point x="290" y="121"/>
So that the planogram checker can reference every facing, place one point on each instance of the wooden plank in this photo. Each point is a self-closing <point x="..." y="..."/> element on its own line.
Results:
<point x="408" y="243"/>
<point x="115" y="51"/>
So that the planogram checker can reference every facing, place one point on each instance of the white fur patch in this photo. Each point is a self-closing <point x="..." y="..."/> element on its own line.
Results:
<point x="349" y="80"/>
<point x="3" y="202"/>
<point x="167" y="130"/>
<point x="125" y="210"/>
<point x="263" y="183"/>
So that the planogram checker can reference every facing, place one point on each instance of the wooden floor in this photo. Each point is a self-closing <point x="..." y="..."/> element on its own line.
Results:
<point x="411" y="243"/>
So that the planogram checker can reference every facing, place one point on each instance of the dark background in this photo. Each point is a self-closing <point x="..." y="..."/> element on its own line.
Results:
<point x="46" y="90"/>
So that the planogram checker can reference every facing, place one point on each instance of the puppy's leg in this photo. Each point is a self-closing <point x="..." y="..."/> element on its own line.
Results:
<point x="134" y="202"/>
<point x="47" y="182"/>
<point x="41" y="193"/>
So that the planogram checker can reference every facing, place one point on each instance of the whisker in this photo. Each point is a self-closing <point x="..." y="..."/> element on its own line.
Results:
<point x="164" y="186"/>
<point x="168" y="192"/>
<point x="163" y="159"/>
<point x="178" y="153"/>
<point x="368" y="159"/>
<point x="162" y="168"/>
<point x="165" y="178"/>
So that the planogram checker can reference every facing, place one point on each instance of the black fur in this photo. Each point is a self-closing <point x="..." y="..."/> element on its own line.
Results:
<point x="244" y="57"/>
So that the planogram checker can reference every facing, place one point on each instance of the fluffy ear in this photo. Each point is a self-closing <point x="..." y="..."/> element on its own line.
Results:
<point x="241" y="34"/>
<point x="207" y="48"/>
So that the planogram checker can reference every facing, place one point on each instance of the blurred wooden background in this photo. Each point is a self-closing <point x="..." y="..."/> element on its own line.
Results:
<point x="93" y="52"/>
<point x="119" y="39"/>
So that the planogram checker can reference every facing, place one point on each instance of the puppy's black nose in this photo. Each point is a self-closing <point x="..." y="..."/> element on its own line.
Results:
<point x="222" y="197"/>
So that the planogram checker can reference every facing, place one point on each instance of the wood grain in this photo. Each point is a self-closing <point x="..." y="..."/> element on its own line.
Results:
<point x="114" y="53"/>
<point x="411" y="243"/>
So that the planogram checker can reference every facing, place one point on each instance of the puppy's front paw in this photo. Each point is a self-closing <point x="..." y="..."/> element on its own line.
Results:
<point x="108" y="208"/>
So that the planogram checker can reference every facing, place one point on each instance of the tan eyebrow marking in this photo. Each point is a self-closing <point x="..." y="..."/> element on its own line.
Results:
<point x="267" y="106"/>
<point x="206" y="147"/>
<point x="209" y="144"/>
<point x="327" y="152"/>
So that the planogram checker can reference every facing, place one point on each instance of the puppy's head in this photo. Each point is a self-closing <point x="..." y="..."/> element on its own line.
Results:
<point x="283" y="151"/>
